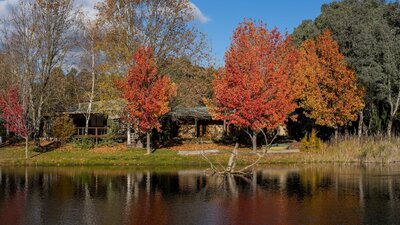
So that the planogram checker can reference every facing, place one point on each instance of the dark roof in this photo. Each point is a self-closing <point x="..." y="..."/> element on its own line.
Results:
<point x="112" y="108"/>
<point x="199" y="112"/>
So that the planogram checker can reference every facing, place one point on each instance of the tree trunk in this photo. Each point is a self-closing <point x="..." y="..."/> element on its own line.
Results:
<point x="7" y="132"/>
<point x="148" y="143"/>
<point x="87" y="122"/>
<point x="336" y="134"/>
<point x="389" y="126"/>
<point x="394" y="107"/>
<point x="26" y="146"/>
<point x="360" y="123"/>
<point x="36" y="138"/>
<point x="224" y="130"/>
<point x="89" y="110"/>
<point x="128" y="135"/>
<point x="196" y="131"/>
<point x="36" y="122"/>
<point x="254" y="141"/>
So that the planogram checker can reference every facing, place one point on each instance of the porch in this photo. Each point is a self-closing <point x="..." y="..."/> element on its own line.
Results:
<point x="93" y="132"/>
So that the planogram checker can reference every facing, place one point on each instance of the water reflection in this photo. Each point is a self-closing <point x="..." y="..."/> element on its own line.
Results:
<point x="292" y="195"/>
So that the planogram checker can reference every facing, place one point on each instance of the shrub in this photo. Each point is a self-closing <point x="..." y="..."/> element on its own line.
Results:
<point x="63" y="128"/>
<point x="107" y="141"/>
<point x="311" y="141"/>
<point x="83" y="143"/>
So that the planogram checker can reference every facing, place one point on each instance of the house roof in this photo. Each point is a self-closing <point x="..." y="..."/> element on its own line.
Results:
<point x="113" y="108"/>
<point x="199" y="112"/>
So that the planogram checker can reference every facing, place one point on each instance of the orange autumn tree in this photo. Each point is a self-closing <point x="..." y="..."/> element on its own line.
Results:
<point x="146" y="93"/>
<point x="254" y="90"/>
<point x="331" y="96"/>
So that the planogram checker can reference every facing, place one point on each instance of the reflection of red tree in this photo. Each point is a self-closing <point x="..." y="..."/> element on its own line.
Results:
<point x="259" y="208"/>
<point x="13" y="209"/>
<point x="149" y="209"/>
<point x="278" y="208"/>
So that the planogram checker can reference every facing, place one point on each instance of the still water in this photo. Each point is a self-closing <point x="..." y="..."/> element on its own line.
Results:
<point x="317" y="194"/>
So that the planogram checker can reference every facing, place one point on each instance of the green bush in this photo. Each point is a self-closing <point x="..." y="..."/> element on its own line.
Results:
<point x="83" y="143"/>
<point x="311" y="141"/>
<point x="63" y="128"/>
<point x="108" y="141"/>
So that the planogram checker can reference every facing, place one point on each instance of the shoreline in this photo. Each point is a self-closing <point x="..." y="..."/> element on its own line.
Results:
<point x="166" y="158"/>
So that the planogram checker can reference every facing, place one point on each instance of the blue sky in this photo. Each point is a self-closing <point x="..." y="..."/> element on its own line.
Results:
<point x="222" y="17"/>
<point x="219" y="18"/>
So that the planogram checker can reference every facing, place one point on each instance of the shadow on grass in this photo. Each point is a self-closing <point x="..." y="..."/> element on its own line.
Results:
<point x="6" y="144"/>
<point x="46" y="148"/>
<point x="13" y="141"/>
<point x="169" y="144"/>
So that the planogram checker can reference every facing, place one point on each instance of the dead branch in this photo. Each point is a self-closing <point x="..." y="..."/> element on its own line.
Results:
<point x="230" y="169"/>
<point x="260" y="156"/>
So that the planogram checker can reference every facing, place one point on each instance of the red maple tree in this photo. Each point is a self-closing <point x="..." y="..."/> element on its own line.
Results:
<point x="255" y="89"/>
<point x="13" y="116"/>
<point x="146" y="92"/>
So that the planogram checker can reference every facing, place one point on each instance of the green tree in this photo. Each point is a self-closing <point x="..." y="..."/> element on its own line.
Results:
<point x="306" y="30"/>
<point x="367" y="33"/>
<point x="63" y="128"/>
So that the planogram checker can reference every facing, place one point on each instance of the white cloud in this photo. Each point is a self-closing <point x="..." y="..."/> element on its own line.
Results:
<point x="5" y="6"/>
<point x="90" y="11"/>
<point x="198" y="14"/>
<point x="87" y="7"/>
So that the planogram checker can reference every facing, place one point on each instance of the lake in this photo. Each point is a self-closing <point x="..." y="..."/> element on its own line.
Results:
<point x="293" y="194"/>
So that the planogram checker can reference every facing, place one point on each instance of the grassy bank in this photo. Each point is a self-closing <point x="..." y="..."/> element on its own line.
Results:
<point x="66" y="156"/>
<point x="365" y="150"/>
<point x="352" y="150"/>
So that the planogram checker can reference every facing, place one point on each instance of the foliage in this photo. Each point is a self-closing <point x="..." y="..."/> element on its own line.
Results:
<point x="63" y="128"/>
<point x="311" y="141"/>
<point x="146" y="92"/>
<point x="108" y="141"/>
<point x="36" y="37"/>
<point x="193" y="83"/>
<point x="363" y="44"/>
<point x="331" y="95"/>
<point x="128" y="25"/>
<point x="107" y="90"/>
<point x="255" y="89"/>
<point x="83" y="143"/>
<point x="368" y="35"/>
<point x="12" y="113"/>
<point x="306" y="30"/>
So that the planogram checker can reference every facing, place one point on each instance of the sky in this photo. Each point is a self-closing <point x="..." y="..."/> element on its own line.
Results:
<point x="219" y="18"/>
<point x="222" y="17"/>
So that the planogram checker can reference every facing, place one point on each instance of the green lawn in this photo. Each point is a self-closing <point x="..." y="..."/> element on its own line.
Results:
<point x="16" y="156"/>
<point x="346" y="151"/>
<point x="123" y="157"/>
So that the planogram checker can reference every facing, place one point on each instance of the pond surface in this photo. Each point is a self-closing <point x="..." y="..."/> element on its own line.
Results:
<point x="317" y="194"/>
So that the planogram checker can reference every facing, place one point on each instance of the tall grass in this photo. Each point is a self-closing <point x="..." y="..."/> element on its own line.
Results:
<point x="373" y="149"/>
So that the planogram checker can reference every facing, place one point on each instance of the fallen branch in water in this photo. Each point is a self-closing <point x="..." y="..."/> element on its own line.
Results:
<point x="230" y="168"/>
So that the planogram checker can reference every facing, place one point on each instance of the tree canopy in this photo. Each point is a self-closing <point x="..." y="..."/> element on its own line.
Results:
<point x="254" y="89"/>
<point x="331" y="96"/>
